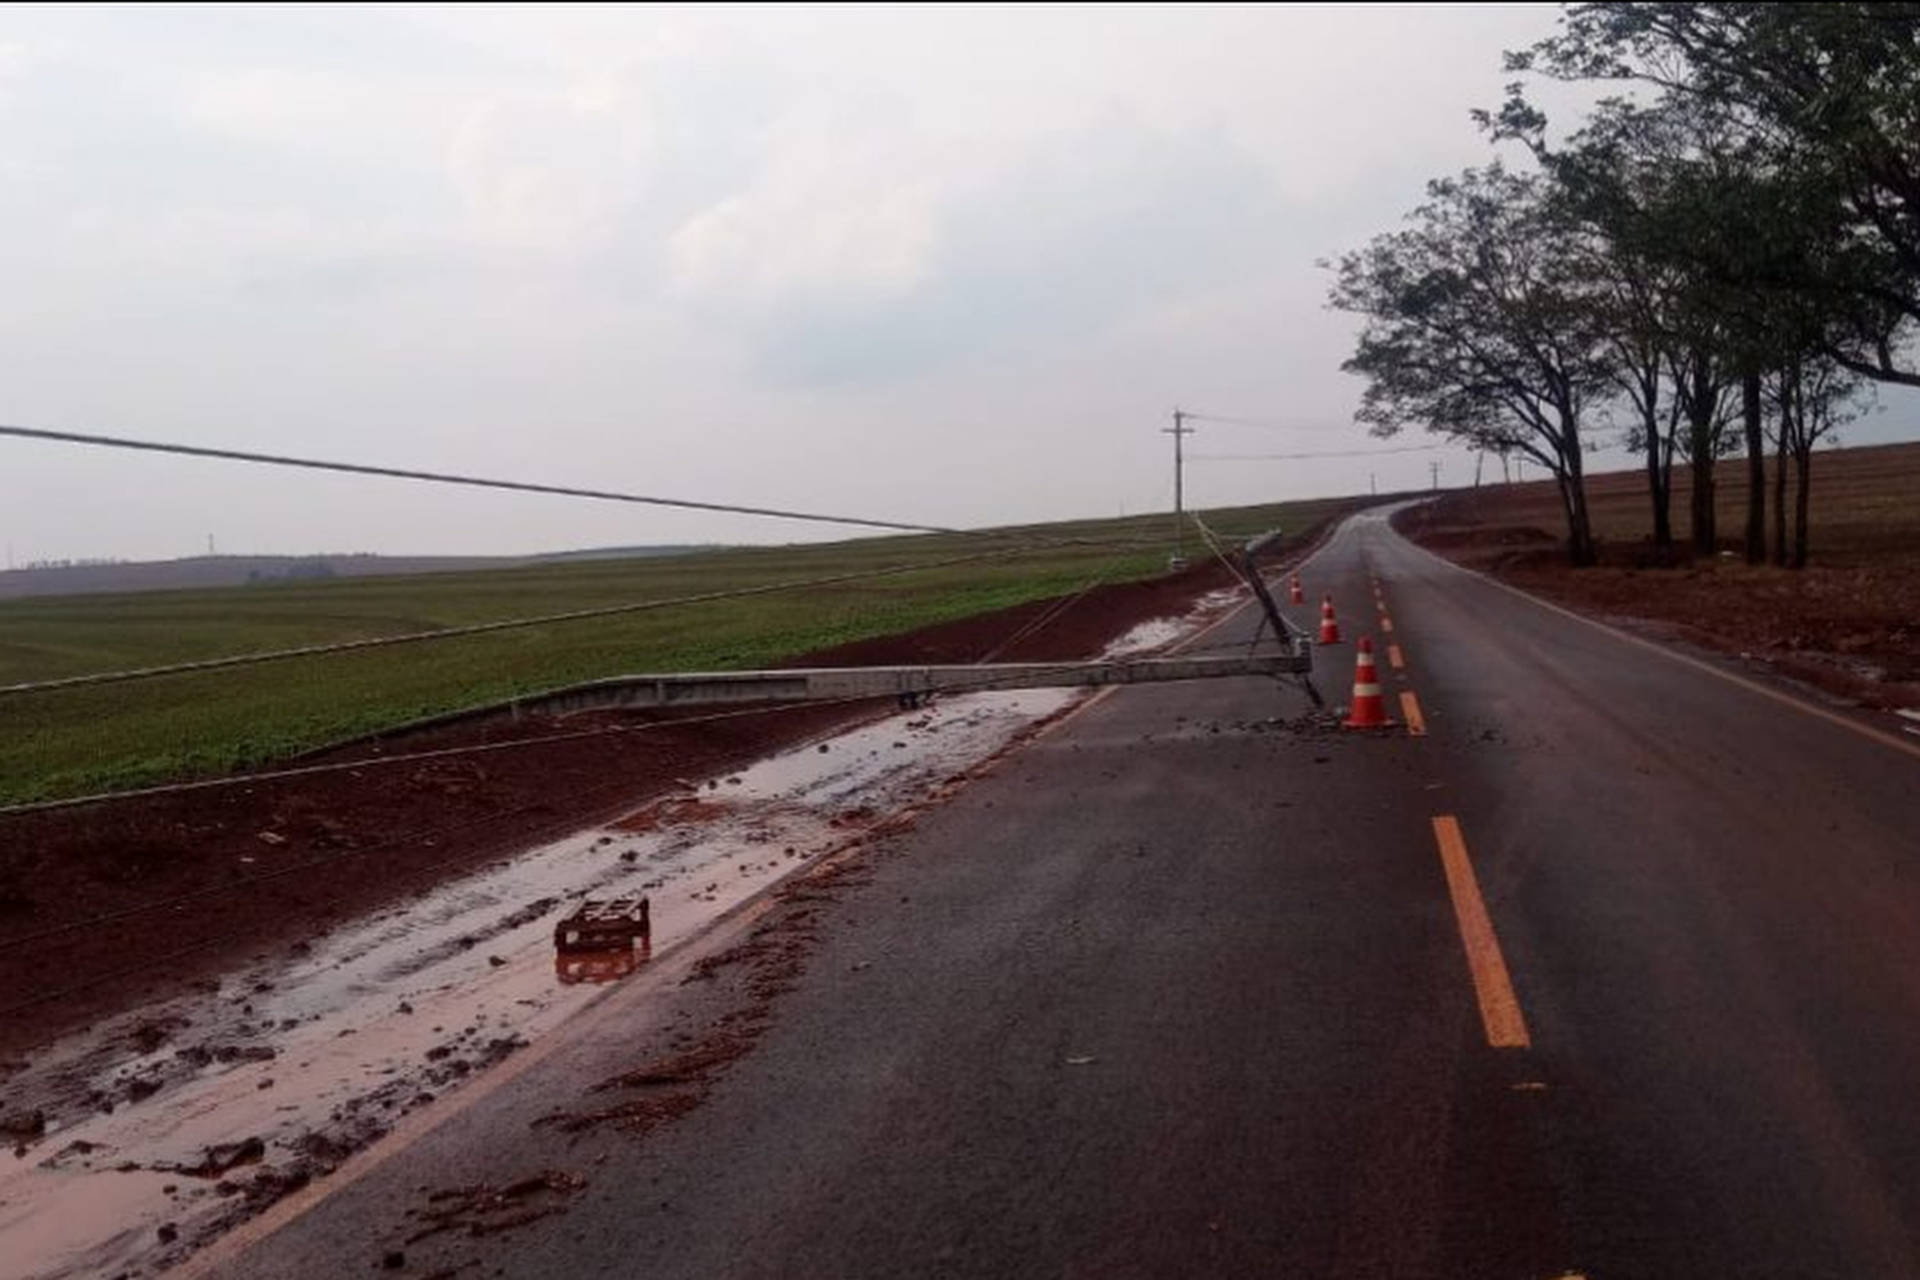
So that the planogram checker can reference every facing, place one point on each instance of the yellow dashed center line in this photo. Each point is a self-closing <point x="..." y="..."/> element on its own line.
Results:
<point x="1386" y="624"/>
<point x="1394" y="659"/>
<point x="1492" y="984"/>
<point x="1410" y="712"/>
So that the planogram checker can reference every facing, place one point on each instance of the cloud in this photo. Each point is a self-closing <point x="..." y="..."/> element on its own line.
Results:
<point x="721" y="248"/>
<point x="550" y="170"/>
<point x="842" y="211"/>
<point x="14" y="57"/>
<point x="844" y="270"/>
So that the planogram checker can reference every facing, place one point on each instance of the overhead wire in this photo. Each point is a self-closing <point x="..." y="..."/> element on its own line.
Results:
<point x="151" y="962"/>
<point x="438" y="477"/>
<point x="1263" y="424"/>
<point x="1300" y="457"/>
<point x="508" y="624"/>
<point x="239" y="883"/>
<point x="302" y="771"/>
<point x="1046" y="618"/>
<point x="443" y="633"/>
<point x="1053" y="612"/>
<point x="147" y="965"/>
<point x="418" y="833"/>
<point x="1213" y="544"/>
<point x="147" y="908"/>
<point x="424" y="833"/>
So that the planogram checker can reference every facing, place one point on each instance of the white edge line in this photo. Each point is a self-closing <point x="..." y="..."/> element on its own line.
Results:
<point x="1868" y="731"/>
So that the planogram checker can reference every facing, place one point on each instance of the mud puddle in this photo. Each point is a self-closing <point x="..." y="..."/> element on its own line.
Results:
<point x="134" y="1142"/>
<point x="143" y="1137"/>
<point x="1157" y="633"/>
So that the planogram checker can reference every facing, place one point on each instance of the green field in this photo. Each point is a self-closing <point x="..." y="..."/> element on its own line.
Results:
<point x="67" y="742"/>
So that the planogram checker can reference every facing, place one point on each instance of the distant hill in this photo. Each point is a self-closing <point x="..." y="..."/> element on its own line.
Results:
<point x="236" y="571"/>
<point x="626" y="553"/>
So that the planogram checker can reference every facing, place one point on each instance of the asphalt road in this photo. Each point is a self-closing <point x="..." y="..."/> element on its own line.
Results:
<point x="1178" y="991"/>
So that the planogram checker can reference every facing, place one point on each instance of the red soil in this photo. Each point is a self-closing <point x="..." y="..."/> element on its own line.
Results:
<point x="1848" y="623"/>
<point x="265" y="865"/>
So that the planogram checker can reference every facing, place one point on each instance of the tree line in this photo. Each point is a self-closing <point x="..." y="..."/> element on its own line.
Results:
<point x="1725" y="253"/>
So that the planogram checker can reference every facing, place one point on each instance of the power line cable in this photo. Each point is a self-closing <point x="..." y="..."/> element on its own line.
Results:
<point x="302" y="771"/>
<point x="100" y="979"/>
<point x="402" y="473"/>
<point x="1299" y="457"/>
<point x="360" y="851"/>
<point x="507" y="624"/>
<point x="216" y="939"/>
<point x="376" y="762"/>
<point x="1050" y="615"/>
<point x="1212" y="540"/>
<point x="177" y="900"/>
<point x="985" y="683"/>
<point x="1265" y="424"/>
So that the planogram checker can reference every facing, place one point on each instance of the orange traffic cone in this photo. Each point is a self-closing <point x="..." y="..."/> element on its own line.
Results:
<point x="1369" y="710"/>
<point x="1329" y="625"/>
<point x="1294" y="594"/>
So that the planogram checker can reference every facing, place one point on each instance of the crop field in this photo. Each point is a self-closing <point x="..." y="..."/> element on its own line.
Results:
<point x="73" y="741"/>
<point x="1849" y="622"/>
<point x="1865" y="506"/>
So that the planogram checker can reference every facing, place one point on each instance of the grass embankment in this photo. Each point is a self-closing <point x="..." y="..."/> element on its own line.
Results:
<point x="68" y="742"/>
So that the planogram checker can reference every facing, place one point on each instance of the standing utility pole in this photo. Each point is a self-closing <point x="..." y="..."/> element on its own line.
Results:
<point x="1179" y="431"/>
<point x="1434" y="468"/>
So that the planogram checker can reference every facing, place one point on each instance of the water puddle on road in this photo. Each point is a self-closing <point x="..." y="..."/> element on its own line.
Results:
<point x="154" y="1132"/>
<point x="1157" y="633"/>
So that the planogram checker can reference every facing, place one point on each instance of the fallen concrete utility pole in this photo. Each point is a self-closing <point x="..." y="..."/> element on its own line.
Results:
<point x="810" y="684"/>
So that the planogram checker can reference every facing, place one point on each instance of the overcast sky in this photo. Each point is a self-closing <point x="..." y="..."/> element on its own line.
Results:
<point x="942" y="265"/>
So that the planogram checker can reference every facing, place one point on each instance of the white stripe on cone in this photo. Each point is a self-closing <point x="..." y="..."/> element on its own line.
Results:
<point x="1369" y="709"/>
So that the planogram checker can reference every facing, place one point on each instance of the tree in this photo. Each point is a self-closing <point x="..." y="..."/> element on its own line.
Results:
<point x="1813" y="397"/>
<point x="1828" y="96"/>
<point x="1702" y="395"/>
<point x="1645" y="182"/>
<point x="1740" y="228"/>
<point x="1481" y="325"/>
<point x="1719" y="237"/>
<point x="1618" y="175"/>
<point x="1774" y="228"/>
<point x="1636" y="293"/>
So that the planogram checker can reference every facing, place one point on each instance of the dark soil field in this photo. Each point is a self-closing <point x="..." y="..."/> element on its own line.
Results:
<point x="104" y="907"/>
<point x="1849" y="623"/>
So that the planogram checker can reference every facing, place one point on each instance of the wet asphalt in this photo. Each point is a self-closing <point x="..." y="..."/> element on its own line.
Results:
<point x="1179" y="989"/>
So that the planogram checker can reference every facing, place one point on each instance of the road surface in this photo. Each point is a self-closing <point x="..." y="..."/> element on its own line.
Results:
<point x="1614" y="972"/>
